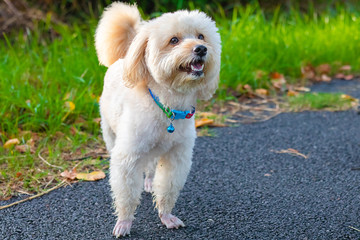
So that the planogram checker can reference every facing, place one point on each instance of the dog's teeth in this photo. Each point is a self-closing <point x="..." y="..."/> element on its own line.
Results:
<point x="197" y="69"/>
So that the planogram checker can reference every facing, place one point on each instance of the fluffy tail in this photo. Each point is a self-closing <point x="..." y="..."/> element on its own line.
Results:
<point x="116" y="30"/>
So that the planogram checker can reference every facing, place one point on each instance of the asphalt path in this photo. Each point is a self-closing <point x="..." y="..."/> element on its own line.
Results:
<point x="239" y="187"/>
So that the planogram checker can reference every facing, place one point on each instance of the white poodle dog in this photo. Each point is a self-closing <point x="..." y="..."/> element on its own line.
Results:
<point x="158" y="69"/>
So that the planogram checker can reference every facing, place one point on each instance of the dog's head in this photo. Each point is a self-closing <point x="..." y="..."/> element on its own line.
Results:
<point x="180" y="50"/>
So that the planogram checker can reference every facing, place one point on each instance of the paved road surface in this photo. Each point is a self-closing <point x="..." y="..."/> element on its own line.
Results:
<point x="238" y="187"/>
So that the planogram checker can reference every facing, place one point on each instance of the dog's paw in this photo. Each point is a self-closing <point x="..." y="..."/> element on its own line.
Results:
<point x="170" y="221"/>
<point x="122" y="228"/>
<point x="148" y="184"/>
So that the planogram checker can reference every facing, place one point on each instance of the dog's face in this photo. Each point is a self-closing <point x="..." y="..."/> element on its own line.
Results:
<point x="180" y="50"/>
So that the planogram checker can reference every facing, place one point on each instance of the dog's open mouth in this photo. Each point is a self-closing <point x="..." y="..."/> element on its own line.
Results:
<point x="196" y="67"/>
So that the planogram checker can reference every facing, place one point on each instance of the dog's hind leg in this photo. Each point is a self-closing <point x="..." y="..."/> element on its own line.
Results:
<point x="170" y="176"/>
<point x="108" y="135"/>
<point x="149" y="175"/>
<point x="126" y="178"/>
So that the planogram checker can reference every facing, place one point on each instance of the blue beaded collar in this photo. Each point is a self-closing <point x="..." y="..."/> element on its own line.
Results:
<point x="172" y="114"/>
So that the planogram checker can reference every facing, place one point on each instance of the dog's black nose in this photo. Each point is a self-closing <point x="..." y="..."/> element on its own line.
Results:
<point x="200" y="50"/>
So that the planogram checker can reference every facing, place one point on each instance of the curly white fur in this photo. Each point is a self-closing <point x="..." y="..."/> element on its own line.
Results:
<point x="140" y="56"/>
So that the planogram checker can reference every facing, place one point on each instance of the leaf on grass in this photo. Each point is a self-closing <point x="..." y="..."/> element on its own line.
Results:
<point x="248" y="88"/>
<point x="345" y="68"/>
<point x="70" y="105"/>
<point x="308" y="72"/>
<point x="276" y="75"/>
<point x="97" y="120"/>
<point x="69" y="175"/>
<point x="323" y="69"/>
<point x="93" y="176"/>
<point x="348" y="97"/>
<point x="11" y="142"/>
<point x="278" y="81"/>
<point x="24" y="148"/>
<point x="292" y="93"/>
<point x="203" y="122"/>
<point x="292" y="152"/>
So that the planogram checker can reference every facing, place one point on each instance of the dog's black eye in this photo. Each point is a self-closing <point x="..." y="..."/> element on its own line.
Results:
<point x="201" y="37"/>
<point x="174" y="40"/>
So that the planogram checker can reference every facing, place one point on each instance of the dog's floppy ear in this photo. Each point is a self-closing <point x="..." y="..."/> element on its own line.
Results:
<point x="135" y="69"/>
<point x="206" y="92"/>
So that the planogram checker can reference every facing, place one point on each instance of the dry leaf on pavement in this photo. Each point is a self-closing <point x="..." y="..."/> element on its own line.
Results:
<point x="292" y="152"/>
<point x="93" y="176"/>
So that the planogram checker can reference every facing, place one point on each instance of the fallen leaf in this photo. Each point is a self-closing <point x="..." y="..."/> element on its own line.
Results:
<point x="292" y="93"/>
<point x="308" y="72"/>
<point x="93" y="176"/>
<point x="340" y="75"/>
<point x="70" y="175"/>
<point x="248" y="88"/>
<point x="203" y="122"/>
<point x="11" y="142"/>
<point x="345" y="68"/>
<point x="70" y="105"/>
<point x="348" y="97"/>
<point x="24" y="148"/>
<point x="97" y="120"/>
<point x="30" y="142"/>
<point x="262" y="91"/>
<point x="259" y="74"/>
<point x="276" y="75"/>
<point x="323" y="69"/>
<point x="292" y="152"/>
<point x="302" y="89"/>
<point x="349" y="77"/>
<point x="325" y="78"/>
<point x="278" y="81"/>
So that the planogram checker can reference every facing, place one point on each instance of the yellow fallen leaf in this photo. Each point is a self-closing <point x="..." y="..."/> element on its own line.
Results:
<point x="93" y="176"/>
<point x="70" y="105"/>
<point x="348" y="97"/>
<point x="203" y="122"/>
<point x="11" y="142"/>
<point x="292" y="93"/>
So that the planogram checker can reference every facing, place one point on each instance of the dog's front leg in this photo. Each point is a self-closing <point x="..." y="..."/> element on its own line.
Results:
<point x="170" y="176"/>
<point x="126" y="184"/>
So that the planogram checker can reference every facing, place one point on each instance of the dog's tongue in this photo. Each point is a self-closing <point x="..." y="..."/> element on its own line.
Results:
<point x="197" y="66"/>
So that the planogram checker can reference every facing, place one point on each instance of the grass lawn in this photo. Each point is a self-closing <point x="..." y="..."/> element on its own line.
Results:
<point x="50" y="81"/>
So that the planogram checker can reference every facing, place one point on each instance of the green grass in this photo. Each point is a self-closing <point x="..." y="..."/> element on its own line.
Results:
<point x="319" y="101"/>
<point x="284" y="42"/>
<point x="41" y="71"/>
